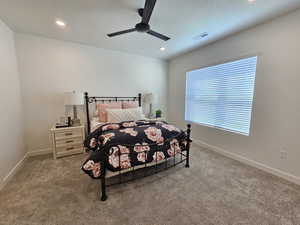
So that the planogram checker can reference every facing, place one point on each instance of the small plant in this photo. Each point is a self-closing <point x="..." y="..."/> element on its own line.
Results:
<point x="158" y="113"/>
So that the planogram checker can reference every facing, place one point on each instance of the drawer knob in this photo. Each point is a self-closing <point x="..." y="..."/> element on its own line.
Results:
<point x="70" y="141"/>
<point x="68" y="134"/>
<point x="70" y="148"/>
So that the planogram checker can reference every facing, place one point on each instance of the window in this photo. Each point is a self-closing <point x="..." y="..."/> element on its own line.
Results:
<point x="221" y="96"/>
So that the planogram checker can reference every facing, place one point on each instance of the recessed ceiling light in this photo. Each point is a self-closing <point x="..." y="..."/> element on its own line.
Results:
<point x="60" y="23"/>
<point x="251" y="1"/>
<point x="162" y="49"/>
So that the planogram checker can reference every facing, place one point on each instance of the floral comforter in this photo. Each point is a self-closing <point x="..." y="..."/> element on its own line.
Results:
<point x="132" y="143"/>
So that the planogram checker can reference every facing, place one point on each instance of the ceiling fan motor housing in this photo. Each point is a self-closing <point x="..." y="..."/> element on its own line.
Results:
<point x="141" y="11"/>
<point x="142" y="27"/>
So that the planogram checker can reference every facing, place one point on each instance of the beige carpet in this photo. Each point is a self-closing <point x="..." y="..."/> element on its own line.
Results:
<point x="215" y="190"/>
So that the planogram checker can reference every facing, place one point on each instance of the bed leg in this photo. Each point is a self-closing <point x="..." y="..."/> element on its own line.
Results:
<point x="103" y="185"/>
<point x="188" y="144"/>
<point x="103" y="190"/>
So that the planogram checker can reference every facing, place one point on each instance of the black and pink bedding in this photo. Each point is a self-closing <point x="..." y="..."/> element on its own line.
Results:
<point x="124" y="145"/>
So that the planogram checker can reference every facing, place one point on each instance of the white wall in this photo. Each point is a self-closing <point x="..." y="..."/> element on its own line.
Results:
<point x="51" y="67"/>
<point x="276" y="110"/>
<point x="11" y="119"/>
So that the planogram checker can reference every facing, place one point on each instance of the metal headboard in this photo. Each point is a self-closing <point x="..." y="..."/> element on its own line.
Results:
<point x="95" y="99"/>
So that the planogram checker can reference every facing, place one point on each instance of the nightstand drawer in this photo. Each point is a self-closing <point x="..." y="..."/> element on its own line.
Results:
<point x="74" y="147"/>
<point x="70" y="134"/>
<point x="69" y="142"/>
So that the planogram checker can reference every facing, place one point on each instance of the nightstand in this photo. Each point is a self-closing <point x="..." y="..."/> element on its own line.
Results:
<point x="156" y="119"/>
<point x="67" y="141"/>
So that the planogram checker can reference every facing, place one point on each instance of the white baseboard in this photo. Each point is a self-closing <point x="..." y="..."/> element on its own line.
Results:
<point x="20" y="164"/>
<point x="250" y="162"/>
<point x="13" y="172"/>
<point x="39" y="152"/>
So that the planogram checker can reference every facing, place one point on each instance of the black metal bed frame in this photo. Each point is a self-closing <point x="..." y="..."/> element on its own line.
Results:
<point x="183" y="156"/>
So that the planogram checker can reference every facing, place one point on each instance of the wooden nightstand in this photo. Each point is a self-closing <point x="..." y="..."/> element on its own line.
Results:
<point x="67" y="141"/>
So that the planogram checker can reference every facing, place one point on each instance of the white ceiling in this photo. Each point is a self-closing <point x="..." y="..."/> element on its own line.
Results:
<point x="88" y="21"/>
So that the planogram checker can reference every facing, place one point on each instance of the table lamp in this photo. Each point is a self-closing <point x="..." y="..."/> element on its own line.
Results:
<point x="74" y="99"/>
<point x="148" y="99"/>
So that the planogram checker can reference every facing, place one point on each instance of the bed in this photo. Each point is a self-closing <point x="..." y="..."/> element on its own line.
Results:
<point x="124" y="150"/>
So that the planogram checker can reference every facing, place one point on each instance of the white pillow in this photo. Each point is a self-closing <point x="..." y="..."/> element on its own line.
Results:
<point x="120" y="115"/>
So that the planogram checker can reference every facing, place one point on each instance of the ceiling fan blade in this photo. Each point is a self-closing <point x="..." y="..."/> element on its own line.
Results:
<point x="148" y="9"/>
<point x="121" y="32"/>
<point x="158" y="35"/>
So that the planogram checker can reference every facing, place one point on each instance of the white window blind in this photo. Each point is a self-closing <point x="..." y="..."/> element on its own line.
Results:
<point x="221" y="96"/>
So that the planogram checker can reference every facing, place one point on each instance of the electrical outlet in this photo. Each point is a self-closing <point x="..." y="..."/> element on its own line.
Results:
<point x="283" y="154"/>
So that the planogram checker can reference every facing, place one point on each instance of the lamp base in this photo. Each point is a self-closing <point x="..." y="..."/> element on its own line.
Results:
<point x="76" y="122"/>
<point x="150" y="115"/>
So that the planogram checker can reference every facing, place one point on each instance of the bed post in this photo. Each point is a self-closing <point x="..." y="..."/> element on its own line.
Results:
<point x="140" y="99"/>
<point x="86" y="98"/>
<point x="188" y="144"/>
<point x="103" y="185"/>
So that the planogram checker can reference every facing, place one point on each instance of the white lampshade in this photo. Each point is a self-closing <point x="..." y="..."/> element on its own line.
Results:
<point x="73" y="98"/>
<point x="148" y="98"/>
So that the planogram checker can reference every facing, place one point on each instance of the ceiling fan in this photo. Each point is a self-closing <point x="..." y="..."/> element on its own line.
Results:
<point x="143" y="26"/>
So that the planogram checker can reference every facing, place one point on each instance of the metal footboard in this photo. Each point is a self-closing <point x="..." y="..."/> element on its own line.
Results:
<point x="157" y="165"/>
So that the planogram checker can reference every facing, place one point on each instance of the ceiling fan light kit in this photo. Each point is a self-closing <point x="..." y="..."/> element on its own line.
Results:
<point x="143" y="26"/>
